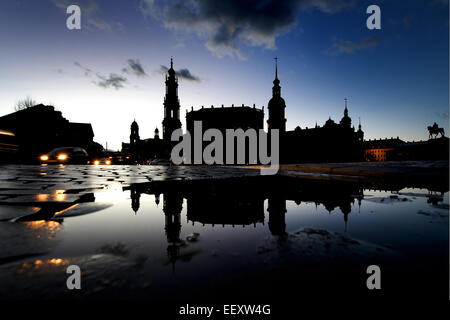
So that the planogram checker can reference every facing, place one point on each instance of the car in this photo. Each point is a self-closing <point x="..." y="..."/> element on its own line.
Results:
<point x="8" y="146"/>
<point x="160" y="162"/>
<point x="101" y="161"/>
<point x="73" y="155"/>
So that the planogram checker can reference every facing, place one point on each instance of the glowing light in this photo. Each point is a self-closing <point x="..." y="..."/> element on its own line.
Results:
<point x="42" y="196"/>
<point x="44" y="158"/>
<point x="64" y="210"/>
<point x="6" y="133"/>
<point x="108" y="162"/>
<point x="60" y="195"/>
<point x="96" y="162"/>
<point x="62" y="156"/>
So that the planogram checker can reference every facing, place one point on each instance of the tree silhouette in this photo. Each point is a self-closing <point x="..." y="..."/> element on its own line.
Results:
<point x="26" y="103"/>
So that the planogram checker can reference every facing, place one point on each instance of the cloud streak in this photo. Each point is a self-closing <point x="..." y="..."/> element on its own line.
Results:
<point x="113" y="81"/>
<point x="181" y="73"/>
<point x="87" y="71"/>
<point x="134" y="67"/>
<point x="349" y="47"/>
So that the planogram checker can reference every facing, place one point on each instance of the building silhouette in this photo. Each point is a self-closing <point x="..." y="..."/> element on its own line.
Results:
<point x="377" y="149"/>
<point x="332" y="142"/>
<point x="223" y="118"/>
<point x="40" y="128"/>
<point x="171" y="120"/>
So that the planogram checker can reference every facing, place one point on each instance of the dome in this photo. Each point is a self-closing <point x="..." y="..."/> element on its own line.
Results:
<point x="276" y="101"/>
<point x="329" y="122"/>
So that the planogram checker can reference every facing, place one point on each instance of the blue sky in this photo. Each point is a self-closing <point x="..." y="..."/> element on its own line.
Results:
<point x="395" y="79"/>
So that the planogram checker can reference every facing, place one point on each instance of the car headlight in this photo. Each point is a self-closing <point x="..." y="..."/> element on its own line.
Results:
<point x="96" y="162"/>
<point x="108" y="162"/>
<point x="62" y="156"/>
<point x="44" y="157"/>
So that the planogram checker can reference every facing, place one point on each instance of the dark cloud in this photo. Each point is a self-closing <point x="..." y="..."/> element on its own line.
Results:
<point x="87" y="71"/>
<point x="228" y="24"/>
<point x="347" y="46"/>
<point x="134" y="67"/>
<point x="113" y="81"/>
<point x="442" y="115"/>
<point x="181" y="73"/>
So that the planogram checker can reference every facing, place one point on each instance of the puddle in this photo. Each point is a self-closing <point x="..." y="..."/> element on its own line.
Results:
<point x="154" y="241"/>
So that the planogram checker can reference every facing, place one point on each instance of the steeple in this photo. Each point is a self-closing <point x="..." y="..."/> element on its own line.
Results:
<point x="276" y="90"/>
<point x="346" y="121"/>
<point x="276" y="105"/>
<point x="345" y="110"/>
<point x="171" y="120"/>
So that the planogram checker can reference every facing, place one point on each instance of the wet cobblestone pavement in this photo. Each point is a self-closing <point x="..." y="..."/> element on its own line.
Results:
<point x="157" y="232"/>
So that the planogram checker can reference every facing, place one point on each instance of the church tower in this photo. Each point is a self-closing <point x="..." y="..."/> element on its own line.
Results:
<point x="276" y="106"/>
<point x="134" y="135"/>
<point x="171" y="120"/>
<point x="134" y="140"/>
<point x="346" y="121"/>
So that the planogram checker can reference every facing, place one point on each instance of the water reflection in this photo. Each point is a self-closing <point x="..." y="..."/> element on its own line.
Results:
<point x="228" y="203"/>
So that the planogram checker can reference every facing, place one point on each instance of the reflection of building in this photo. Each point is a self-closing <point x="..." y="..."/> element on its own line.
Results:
<point x="276" y="206"/>
<point x="135" y="196"/>
<point x="172" y="206"/>
<point x="224" y="208"/>
<point x="227" y="203"/>
<point x="377" y="150"/>
<point x="40" y="128"/>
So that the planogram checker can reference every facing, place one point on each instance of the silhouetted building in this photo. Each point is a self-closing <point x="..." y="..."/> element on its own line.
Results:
<point x="143" y="151"/>
<point x="333" y="142"/>
<point x="432" y="149"/>
<point x="40" y="128"/>
<point x="377" y="150"/>
<point x="171" y="120"/>
<point x="223" y="118"/>
<point x="276" y="106"/>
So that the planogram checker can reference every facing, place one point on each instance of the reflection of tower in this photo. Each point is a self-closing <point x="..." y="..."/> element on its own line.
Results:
<point x="346" y="208"/>
<point x="172" y="206"/>
<point x="134" y="139"/>
<point x="157" y="198"/>
<point x="135" y="197"/>
<point x="171" y="120"/>
<point x="276" y="106"/>
<point x="276" y="207"/>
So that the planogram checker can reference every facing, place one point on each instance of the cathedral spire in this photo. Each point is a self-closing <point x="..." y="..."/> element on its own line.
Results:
<point x="276" y="67"/>
<point x="276" y="89"/>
